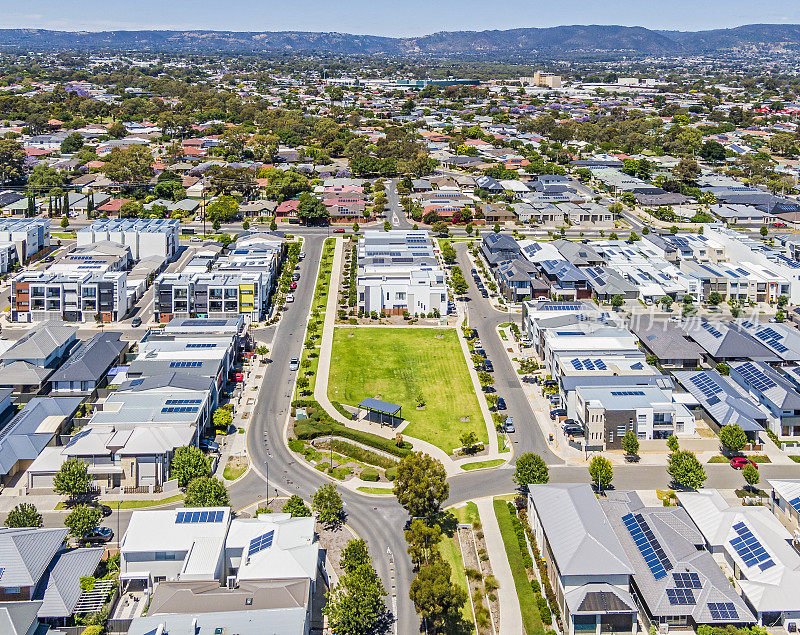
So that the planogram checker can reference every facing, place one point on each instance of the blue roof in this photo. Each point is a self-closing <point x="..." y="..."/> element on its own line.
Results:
<point x="379" y="406"/>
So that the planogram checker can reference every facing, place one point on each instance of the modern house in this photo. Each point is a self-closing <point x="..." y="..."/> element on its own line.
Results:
<point x="87" y="367"/>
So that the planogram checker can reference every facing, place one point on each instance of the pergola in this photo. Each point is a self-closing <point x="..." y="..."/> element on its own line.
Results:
<point x="383" y="408"/>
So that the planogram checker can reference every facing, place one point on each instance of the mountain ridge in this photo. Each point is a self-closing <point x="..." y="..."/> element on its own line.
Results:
<point x="566" y="40"/>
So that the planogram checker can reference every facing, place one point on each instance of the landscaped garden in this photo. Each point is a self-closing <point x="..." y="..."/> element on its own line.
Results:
<point x="422" y="370"/>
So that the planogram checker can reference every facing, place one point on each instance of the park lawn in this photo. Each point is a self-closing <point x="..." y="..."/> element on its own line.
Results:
<point x="479" y="465"/>
<point x="398" y="364"/>
<point x="531" y="619"/>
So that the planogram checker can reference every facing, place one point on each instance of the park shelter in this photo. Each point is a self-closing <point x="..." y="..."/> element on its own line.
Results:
<point x="383" y="409"/>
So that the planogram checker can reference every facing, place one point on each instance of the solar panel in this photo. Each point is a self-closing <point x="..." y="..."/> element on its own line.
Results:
<point x="680" y="596"/>
<point x="711" y="329"/>
<point x="628" y="393"/>
<point x="210" y="516"/>
<point x="795" y="502"/>
<point x="181" y="402"/>
<point x="184" y="364"/>
<point x="179" y="409"/>
<point x="755" y="376"/>
<point x="200" y="345"/>
<point x="723" y="611"/>
<point x="648" y="545"/>
<point x="259" y="543"/>
<point x="687" y="580"/>
<point x="750" y="549"/>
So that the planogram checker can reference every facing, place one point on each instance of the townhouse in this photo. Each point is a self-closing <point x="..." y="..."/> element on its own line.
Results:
<point x="144" y="237"/>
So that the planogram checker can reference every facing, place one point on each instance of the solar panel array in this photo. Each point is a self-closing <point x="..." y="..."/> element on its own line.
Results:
<point x="750" y="549"/>
<point x="200" y="345"/>
<point x="588" y="364"/>
<point x="711" y="329"/>
<point x="259" y="543"/>
<point x="687" y="580"/>
<point x="212" y="516"/>
<point x="755" y="376"/>
<point x="647" y="543"/>
<point x="723" y="611"/>
<point x="772" y="338"/>
<point x="795" y="502"/>
<point x="560" y="307"/>
<point x="178" y="409"/>
<point x="183" y="402"/>
<point x="628" y="393"/>
<point x="183" y="364"/>
<point x="707" y="386"/>
<point x="680" y="596"/>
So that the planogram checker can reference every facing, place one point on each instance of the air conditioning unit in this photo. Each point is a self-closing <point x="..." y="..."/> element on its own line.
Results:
<point x="663" y="628"/>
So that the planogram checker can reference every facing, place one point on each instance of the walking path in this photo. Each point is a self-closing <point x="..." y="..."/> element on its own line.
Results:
<point x="510" y="611"/>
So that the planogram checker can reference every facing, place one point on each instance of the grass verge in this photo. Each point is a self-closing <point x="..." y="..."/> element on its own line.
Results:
<point x="134" y="504"/>
<point x="531" y="619"/>
<point x="451" y="554"/>
<point x="376" y="490"/>
<point x="479" y="465"/>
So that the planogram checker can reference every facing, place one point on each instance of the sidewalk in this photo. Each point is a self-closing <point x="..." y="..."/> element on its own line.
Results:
<point x="510" y="611"/>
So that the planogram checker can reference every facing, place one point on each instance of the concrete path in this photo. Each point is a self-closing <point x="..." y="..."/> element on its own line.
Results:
<point x="510" y="612"/>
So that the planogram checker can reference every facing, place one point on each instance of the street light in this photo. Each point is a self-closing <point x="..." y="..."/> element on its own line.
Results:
<point x="266" y="465"/>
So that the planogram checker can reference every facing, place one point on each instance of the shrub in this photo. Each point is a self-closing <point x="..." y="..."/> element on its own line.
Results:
<point x="369" y="474"/>
<point x="296" y="445"/>
<point x="490" y="583"/>
<point x="391" y="473"/>
<point x="537" y="588"/>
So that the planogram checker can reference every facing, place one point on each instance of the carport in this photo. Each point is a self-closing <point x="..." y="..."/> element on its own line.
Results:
<point x="384" y="409"/>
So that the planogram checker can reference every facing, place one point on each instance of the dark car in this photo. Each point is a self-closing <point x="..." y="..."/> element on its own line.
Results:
<point x="474" y="271"/>
<point x="295" y="277"/>
<point x="137" y="321"/>
<point x="484" y="293"/>
<point x="547" y="383"/>
<point x="501" y="403"/>
<point x="573" y="431"/>
<point x="481" y="352"/>
<point x="488" y="366"/>
<point x="209" y="445"/>
<point x="558" y="412"/>
<point x="105" y="509"/>
<point x="49" y="258"/>
<point x="99" y="534"/>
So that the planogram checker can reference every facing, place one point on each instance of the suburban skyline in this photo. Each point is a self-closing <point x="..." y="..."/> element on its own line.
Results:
<point x="413" y="18"/>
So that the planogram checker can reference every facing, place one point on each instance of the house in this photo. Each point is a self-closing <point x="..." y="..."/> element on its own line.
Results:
<point x="755" y="549"/>
<point x="773" y="392"/>
<point x="565" y="279"/>
<point x="676" y="581"/>
<point x="517" y="280"/>
<point x="87" y="367"/>
<point x="785" y="500"/>
<point x="586" y="565"/>
<point x="30" y="360"/>
<point x="668" y="344"/>
<point x="722" y="342"/>
<point x="497" y="248"/>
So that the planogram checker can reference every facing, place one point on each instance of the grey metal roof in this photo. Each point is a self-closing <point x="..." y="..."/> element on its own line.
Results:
<point x="765" y="381"/>
<point x="725" y="404"/>
<point x="26" y="553"/>
<point x="580" y="537"/>
<point x="60" y="588"/>
<point x="286" y="620"/>
<point x="599" y="598"/>
<point x="17" y="618"/>
<point x="379" y="406"/>
<point x="178" y="380"/>
<point x="723" y="342"/>
<point x="91" y="359"/>
<point x="572" y="382"/>
<point x="679" y="538"/>
<point x="21" y="373"/>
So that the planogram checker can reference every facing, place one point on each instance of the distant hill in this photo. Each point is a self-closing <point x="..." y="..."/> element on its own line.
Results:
<point x="557" y="41"/>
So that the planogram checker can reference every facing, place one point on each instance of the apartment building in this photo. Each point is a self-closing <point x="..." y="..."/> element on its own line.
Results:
<point x="78" y="296"/>
<point x="27" y="235"/>
<point x="144" y="237"/>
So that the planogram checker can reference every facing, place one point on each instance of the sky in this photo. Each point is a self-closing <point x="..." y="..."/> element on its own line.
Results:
<point x="395" y="18"/>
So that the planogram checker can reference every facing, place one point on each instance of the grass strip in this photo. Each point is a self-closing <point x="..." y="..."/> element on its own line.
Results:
<point x="479" y="465"/>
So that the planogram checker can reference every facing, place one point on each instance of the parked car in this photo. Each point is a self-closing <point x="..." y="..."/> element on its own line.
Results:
<point x="509" y="425"/>
<point x="573" y="431"/>
<point x="105" y="509"/>
<point x="477" y="343"/>
<point x="740" y="462"/>
<point x="137" y="321"/>
<point x="481" y="352"/>
<point x="49" y="258"/>
<point x="474" y="271"/>
<point x="295" y="277"/>
<point x="488" y="366"/>
<point x="339" y="230"/>
<point x="290" y="297"/>
<point x="557" y="412"/>
<point x="501" y="403"/>
<point x="302" y="255"/>
<point x="99" y="534"/>
<point x="294" y="363"/>
<point x="547" y="383"/>
<point x="208" y="445"/>
<point x="293" y="286"/>
<point x="484" y="293"/>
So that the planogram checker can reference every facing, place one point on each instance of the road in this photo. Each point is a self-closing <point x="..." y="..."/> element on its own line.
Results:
<point x="377" y="520"/>
<point x="395" y="213"/>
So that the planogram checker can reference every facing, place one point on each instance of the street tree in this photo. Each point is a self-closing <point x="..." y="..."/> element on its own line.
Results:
<point x="468" y="440"/>
<point x="672" y="443"/>
<point x="439" y="227"/>
<point x="24" y="515"/>
<point x="601" y="472"/>
<point x="764" y="231"/>
<point x="189" y="463"/>
<point x="72" y="478"/>
<point x="617" y="301"/>
<point x="685" y="469"/>
<point x="222" y="418"/>
<point x="206" y="492"/>
<point x="714" y="298"/>
<point x="328" y="504"/>
<point x="355" y="605"/>
<point x="733" y="438"/>
<point x="531" y="470"/>
<point x="666" y="302"/>
<point x="222" y="209"/>
<point x="421" y="484"/>
<point x="296" y="506"/>
<point x="422" y="541"/>
<point x="83" y="520"/>
<point x="630" y="443"/>
<point x="436" y="597"/>
<point x="751" y="475"/>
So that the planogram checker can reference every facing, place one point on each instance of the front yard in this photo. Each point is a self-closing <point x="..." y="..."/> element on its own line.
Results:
<point x="399" y="365"/>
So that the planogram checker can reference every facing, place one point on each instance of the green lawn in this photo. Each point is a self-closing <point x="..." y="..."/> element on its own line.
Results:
<point x="398" y="364"/>
<point x="477" y="465"/>
<point x="134" y="504"/>
<point x="451" y="554"/>
<point x="531" y="619"/>
<point x="376" y="490"/>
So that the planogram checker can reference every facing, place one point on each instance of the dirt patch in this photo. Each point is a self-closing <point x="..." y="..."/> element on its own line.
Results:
<point x="464" y="419"/>
<point x="333" y="541"/>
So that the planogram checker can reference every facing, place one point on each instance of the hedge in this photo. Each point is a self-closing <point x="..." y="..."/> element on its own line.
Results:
<point x="320" y="424"/>
<point x="369" y="474"/>
<point x="391" y="473"/>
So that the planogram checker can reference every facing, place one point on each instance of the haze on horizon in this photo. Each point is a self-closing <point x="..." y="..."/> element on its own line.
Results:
<point x="389" y="18"/>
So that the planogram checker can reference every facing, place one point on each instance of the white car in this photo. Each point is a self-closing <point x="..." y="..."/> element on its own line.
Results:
<point x="290" y="297"/>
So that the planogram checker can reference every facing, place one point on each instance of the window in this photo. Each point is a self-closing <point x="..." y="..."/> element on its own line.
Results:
<point x="611" y="436"/>
<point x="11" y="590"/>
<point x="165" y="555"/>
<point x="401" y="295"/>
<point x="621" y="429"/>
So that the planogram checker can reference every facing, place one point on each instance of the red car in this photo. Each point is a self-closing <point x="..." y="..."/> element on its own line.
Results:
<point x="293" y="286"/>
<point x="339" y="230"/>
<point x="738" y="462"/>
